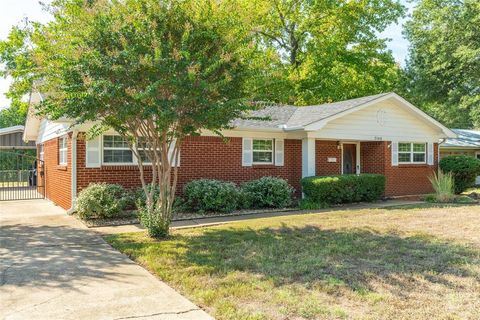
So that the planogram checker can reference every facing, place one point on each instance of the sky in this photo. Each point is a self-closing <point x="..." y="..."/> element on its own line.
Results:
<point x="14" y="11"/>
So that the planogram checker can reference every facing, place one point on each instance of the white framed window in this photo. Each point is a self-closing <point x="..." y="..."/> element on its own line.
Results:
<point x="42" y="151"/>
<point x="142" y="146"/>
<point x="116" y="150"/>
<point x="62" y="151"/>
<point x="477" y="155"/>
<point x="262" y="151"/>
<point x="410" y="152"/>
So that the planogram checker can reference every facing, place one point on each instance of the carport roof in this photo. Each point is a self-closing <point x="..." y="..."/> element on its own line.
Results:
<point x="469" y="139"/>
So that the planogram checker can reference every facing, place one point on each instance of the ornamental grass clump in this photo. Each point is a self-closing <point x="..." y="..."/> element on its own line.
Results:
<point x="444" y="186"/>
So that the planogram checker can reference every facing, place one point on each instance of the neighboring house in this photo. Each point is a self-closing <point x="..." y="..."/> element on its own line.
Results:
<point x="382" y="134"/>
<point x="12" y="138"/>
<point x="467" y="143"/>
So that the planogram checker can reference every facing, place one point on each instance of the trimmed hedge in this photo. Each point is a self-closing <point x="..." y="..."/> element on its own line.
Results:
<point x="464" y="170"/>
<point x="267" y="192"/>
<point x="101" y="200"/>
<point x="344" y="188"/>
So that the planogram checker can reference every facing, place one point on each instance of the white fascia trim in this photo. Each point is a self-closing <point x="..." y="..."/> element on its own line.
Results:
<point x="320" y="124"/>
<point x="251" y="133"/>
<point x="448" y="132"/>
<point x="317" y="125"/>
<point x="459" y="148"/>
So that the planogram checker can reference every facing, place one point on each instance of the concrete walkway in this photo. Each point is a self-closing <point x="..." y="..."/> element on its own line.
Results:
<point x="52" y="267"/>
<point x="211" y="221"/>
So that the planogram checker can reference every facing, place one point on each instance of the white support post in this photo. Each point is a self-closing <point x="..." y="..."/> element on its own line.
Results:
<point x="308" y="157"/>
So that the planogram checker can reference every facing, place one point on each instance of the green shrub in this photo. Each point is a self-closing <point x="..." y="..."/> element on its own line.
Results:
<point x="207" y="195"/>
<point x="464" y="170"/>
<point x="344" y="188"/>
<point x="443" y="185"/>
<point x="267" y="192"/>
<point x="100" y="201"/>
<point x="140" y="198"/>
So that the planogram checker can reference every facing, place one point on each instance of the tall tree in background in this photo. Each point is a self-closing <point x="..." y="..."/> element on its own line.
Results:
<point x="15" y="55"/>
<point x="321" y="50"/>
<point x="154" y="71"/>
<point x="443" y="68"/>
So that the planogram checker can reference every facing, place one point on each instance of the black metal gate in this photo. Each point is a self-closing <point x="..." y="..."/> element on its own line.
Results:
<point x="21" y="175"/>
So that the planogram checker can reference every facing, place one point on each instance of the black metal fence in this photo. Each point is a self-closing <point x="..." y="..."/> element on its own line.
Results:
<point x="21" y="176"/>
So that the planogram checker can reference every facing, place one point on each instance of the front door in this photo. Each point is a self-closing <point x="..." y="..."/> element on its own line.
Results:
<point x="349" y="158"/>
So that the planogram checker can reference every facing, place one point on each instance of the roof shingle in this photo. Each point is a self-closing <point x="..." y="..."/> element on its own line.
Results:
<point x="295" y="117"/>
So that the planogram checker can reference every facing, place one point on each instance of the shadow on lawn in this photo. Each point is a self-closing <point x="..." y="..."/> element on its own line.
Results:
<point x="312" y="256"/>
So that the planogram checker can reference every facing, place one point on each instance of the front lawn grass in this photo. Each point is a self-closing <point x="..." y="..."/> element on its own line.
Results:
<point x="364" y="264"/>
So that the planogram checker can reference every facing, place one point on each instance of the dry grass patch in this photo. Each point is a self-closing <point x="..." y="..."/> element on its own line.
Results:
<point x="364" y="264"/>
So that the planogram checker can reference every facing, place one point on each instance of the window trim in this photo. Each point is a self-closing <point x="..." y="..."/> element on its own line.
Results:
<point x="112" y="148"/>
<point x="61" y="150"/>
<point x="477" y="155"/>
<point x="412" y="153"/>
<point x="272" y="151"/>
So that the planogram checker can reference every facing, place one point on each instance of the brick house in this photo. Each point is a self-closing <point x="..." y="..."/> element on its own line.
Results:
<point x="376" y="134"/>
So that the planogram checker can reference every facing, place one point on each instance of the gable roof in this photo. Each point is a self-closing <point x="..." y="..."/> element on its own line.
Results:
<point x="304" y="118"/>
<point x="465" y="139"/>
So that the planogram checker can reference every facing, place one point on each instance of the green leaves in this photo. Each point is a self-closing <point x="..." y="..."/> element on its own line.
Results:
<point x="444" y="60"/>
<point x="318" y="50"/>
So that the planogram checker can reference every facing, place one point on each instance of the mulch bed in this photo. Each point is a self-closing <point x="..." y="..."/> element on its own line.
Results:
<point x="130" y="217"/>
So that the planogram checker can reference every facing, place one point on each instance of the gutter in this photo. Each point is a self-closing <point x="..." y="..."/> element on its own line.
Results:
<point x="74" y="172"/>
<point x="443" y="140"/>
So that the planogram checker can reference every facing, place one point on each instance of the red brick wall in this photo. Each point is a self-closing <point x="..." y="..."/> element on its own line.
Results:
<point x="323" y="151"/>
<point x="211" y="157"/>
<point x="409" y="179"/>
<point x="57" y="178"/>
<point x="404" y="179"/>
<point x="372" y="159"/>
<point x="201" y="157"/>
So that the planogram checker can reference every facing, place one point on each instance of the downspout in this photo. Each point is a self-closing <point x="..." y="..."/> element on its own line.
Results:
<point x="74" y="172"/>
<point x="438" y="151"/>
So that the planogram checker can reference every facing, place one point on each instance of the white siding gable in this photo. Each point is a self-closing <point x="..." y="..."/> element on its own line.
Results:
<point x="383" y="121"/>
<point x="49" y="130"/>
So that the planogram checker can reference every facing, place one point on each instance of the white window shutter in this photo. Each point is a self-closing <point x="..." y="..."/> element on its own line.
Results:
<point x="93" y="154"/>
<point x="279" y="152"/>
<point x="430" y="154"/>
<point x="247" y="154"/>
<point x="394" y="147"/>
<point x="175" y="162"/>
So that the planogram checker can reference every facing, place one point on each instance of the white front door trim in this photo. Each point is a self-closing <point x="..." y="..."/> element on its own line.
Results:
<point x="357" y="156"/>
<point x="308" y="157"/>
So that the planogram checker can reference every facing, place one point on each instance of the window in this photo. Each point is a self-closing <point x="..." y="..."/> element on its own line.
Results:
<point x="412" y="152"/>
<point x="62" y="151"/>
<point x="262" y="151"/>
<point x="42" y="151"/>
<point x="116" y="150"/>
<point x="142" y="146"/>
<point x="478" y="155"/>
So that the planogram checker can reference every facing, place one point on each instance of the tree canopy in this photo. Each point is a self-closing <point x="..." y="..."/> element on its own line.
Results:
<point x="443" y="69"/>
<point x="320" y="50"/>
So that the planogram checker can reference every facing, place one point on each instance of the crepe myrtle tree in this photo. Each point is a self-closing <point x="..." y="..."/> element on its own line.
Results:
<point x="154" y="71"/>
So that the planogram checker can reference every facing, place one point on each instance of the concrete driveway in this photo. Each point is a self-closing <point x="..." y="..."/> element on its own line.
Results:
<point x="52" y="267"/>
